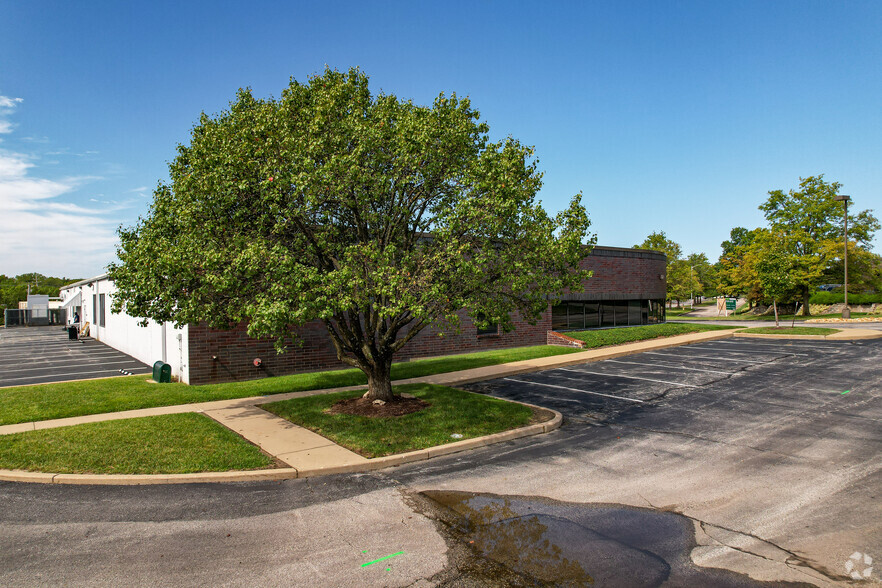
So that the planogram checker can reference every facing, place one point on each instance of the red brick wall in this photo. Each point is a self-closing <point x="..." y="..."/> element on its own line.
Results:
<point x="619" y="274"/>
<point x="235" y="351"/>
<point x="623" y="274"/>
<point x="561" y="340"/>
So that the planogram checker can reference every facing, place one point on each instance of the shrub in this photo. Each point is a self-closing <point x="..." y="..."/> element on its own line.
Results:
<point x="838" y="297"/>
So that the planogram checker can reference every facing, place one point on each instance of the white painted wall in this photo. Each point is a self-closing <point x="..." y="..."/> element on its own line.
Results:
<point x="123" y="332"/>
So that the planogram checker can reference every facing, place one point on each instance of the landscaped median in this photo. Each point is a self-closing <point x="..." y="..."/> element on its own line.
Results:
<point x="810" y="333"/>
<point x="190" y="442"/>
<point x="145" y="450"/>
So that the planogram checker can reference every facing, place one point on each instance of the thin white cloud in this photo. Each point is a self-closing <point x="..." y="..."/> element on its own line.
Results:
<point x="7" y="105"/>
<point x="40" y="233"/>
<point x="7" y="102"/>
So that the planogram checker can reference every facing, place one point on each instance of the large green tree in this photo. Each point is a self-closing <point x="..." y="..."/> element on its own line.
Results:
<point x="736" y="269"/>
<point x="369" y="213"/>
<point x="809" y="220"/>
<point x="659" y="241"/>
<point x="774" y="269"/>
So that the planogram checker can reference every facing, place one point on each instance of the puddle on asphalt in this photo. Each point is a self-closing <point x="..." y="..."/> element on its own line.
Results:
<point x="529" y="541"/>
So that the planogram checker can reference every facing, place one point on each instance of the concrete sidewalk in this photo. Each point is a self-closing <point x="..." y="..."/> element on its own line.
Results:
<point x="309" y="454"/>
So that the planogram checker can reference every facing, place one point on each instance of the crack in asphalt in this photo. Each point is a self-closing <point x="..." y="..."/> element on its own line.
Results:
<point x="791" y="555"/>
<point x="801" y="561"/>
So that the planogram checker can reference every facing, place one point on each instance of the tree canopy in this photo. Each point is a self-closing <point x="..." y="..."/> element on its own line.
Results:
<point x="774" y="270"/>
<point x="810" y="221"/>
<point x="369" y="213"/>
<point x="15" y="289"/>
<point x="684" y="277"/>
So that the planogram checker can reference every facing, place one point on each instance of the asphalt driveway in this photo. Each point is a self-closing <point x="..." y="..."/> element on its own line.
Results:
<point x="39" y="355"/>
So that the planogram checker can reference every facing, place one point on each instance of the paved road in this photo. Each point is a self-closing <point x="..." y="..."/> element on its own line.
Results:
<point x="743" y="455"/>
<point x="39" y="355"/>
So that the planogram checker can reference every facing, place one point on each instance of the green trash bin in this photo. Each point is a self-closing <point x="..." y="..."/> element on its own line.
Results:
<point x="161" y="372"/>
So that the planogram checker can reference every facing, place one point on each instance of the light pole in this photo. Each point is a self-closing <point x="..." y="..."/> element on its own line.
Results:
<point x="691" y="289"/>
<point x="846" y="313"/>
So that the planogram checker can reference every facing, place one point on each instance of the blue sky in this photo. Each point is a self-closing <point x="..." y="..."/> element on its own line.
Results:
<point x="674" y="116"/>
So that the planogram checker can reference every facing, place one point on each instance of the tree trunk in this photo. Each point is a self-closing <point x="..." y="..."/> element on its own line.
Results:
<point x="379" y="382"/>
<point x="775" y="306"/>
<point x="806" y="294"/>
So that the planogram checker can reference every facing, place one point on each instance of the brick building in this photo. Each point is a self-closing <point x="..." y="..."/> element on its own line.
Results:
<point x="627" y="288"/>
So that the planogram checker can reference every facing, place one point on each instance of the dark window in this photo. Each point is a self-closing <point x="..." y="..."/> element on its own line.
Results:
<point x="592" y="315"/>
<point x="94" y="309"/>
<point x="576" y="315"/>
<point x="490" y="329"/>
<point x="559" y="317"/>
<point x="634" y="317"/>
<point x="656" y="311"/>
<point x="621" y="313"/>
<point x="607" y="314"/>
<point x="100" y="312"/>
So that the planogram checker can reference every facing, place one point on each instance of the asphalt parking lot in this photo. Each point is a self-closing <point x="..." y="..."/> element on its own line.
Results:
<point x="40" y="355"/>
<point x="765" y="456"/>
<point x="614" y="388"/>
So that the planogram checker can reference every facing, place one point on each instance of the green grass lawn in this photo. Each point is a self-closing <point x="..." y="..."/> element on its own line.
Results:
<point x="20" y="404"/>
<point x="451" y="411"/>
<point x="677" y="312"/>
<point x="168" y="444"/>
<point x="604" y="337"/>
<point x="791" y="330"/>
<point x="771" y="317"/>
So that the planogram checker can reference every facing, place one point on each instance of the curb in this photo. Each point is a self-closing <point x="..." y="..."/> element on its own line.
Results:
<point x="842" y="335"/>
<point x="287" y="473"/>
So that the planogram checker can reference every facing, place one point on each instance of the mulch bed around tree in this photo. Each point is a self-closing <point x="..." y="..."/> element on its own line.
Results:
<point x="364" y="407"/>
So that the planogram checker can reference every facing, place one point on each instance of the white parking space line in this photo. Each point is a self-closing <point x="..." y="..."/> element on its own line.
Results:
<point x="574" y="390"/>
<point x="110" y="373"/>
<point x="733" y="351"/>
<point x="750" y="343"/>
<point x="676" y="367"/>
<point x="629" y="377"/>
<point x="77" y="352"/>
<point x="683" y="356"/>
<point x="110" y="365"/>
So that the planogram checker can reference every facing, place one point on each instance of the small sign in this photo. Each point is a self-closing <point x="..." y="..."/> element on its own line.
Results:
<point x="730" y="303"/>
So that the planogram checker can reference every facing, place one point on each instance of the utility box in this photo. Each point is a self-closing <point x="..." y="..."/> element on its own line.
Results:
<point x="161" y="372"/>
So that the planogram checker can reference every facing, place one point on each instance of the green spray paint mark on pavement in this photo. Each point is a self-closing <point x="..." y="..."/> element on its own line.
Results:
<point x="846" y="392"/>
<point x="385" y="557"/>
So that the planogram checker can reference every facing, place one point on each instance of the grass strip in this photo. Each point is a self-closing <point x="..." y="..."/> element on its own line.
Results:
<point x="605" y="337"/>
<point x="167" y="444"/>
<point x="771" y="317"/>
<point x="21" y="404"/>
<point x="791" y="330"/>
<point x="451" y="411"/>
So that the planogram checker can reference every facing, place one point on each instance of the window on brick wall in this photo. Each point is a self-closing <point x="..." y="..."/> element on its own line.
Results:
<point x="490" y="329"/>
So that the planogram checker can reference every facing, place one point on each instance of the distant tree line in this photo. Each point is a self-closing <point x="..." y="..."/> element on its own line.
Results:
<point x="800" y="249"/>
<point x="15" y="290"/>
